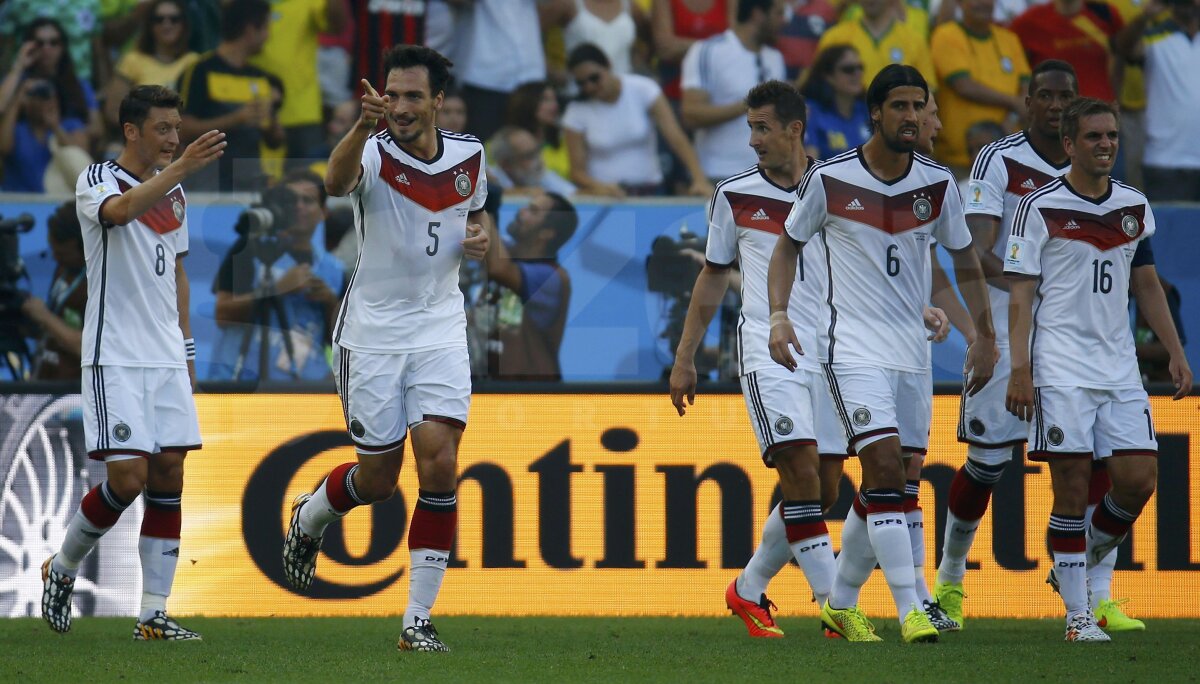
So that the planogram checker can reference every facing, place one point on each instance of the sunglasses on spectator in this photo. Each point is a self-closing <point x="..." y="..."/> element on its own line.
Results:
<point x="52" y="42"/>
<point x="850" y="69"/>
<point x="168" y="19"/>
<point x="592" y="79"/>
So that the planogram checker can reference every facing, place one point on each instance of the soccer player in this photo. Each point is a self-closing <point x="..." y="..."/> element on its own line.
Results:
<point x="1003" y="173"/>
<point x="787" y="410"/>
<point x="400" y="337"/>
<point x="1081" y="244"/>
<point x="875" y="209"/>
<point x="139" y="416"/>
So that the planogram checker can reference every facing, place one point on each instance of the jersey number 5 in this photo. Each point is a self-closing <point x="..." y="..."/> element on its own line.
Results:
<point x="432" y="249"/>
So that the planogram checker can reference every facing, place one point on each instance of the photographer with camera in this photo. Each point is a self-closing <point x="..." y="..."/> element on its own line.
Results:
<point x="277" y="290"/>
<point x="28" y="128"/>
<point x="59" y="318"/>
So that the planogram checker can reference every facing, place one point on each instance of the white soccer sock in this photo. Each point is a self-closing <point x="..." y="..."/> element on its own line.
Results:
<point x="159" y="558"/>
<point x="915" y="519"/>
<point x="317" y="513"/>
<point x="424" y="582"/>
<point x="768" y="559"/>
<point x="815" y="556"/>
<point x="960" y="535"/>
<point x="889" y="540"/>
<point x="1099" y="575"/>
<point x="855" y="562"/>
<point x="1071" y="571"/>
<point x="81" y="537"/>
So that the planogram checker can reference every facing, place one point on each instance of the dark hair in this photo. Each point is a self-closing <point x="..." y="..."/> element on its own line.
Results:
<point x="787" y="100"/>
<point x="747" y="7"/>
<point x="815" y="86"/>
<point x="145" y="44"/>
<point x="1048" y="65"/>
<point x="307" y="176"/>
<point x="563" y="218"/>
<point x="239" y="15"/>
<point x="1084" y="106"/>
<point x="141" y="99"/>
<point x="71" y="100"/>
<point x="891" y="77"/>
<point x="63" y="224"/>
<point x="587" y="52"/>
<point x="410" y="56"/>
<point x="522" y="112"/>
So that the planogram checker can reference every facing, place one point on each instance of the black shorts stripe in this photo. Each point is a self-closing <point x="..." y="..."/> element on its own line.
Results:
<point x="103" y="289"/>
<point x="361" y="227"/>
<point x="343" y="386"/>
<point x="760" y="414"/>
<point x="838" y="404"/>
<point x="829" y="300"/>
<point x="962" y="411"/>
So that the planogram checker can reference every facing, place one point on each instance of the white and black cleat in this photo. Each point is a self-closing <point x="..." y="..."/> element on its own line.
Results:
<point x="300" y="550"/>
<point x="162" y="628"/>
<point x="1083" y="627"/>
<point x="422" y="636"/>
<point x="56" y="597"/>
<point x="939" y="618"/>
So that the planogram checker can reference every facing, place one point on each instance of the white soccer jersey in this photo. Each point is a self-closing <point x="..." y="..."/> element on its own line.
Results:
<point x="876" y="236"/>
<point x="1004" y="172"/>
<point x="745" y="219"/>
<point x="1083" y="251"/>
<point x="411" y="215"/>
<point x="132" y="314"/>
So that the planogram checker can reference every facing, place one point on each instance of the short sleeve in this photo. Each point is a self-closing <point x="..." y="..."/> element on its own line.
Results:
<point x="924" y="64"/>
<point x="574" y="118"/>
<point x="127" y="67"/>
<point x="778" y="68"/>
<point x="182" y="236"/>
<point x="721" y="246"/>
<point x="479" y="199"/>
<point x="690" y="70"/>
<point x="96" y="185"/>
<point x="370" y="165"/>
<point x="1144" y="254"/>
<point x="951" y="55"/>
<point x="1149" y="223"/>
<point x="985" y="189"/>
<point x="647" y="89"/>
<point x="1023" y="254"/>
<point x="808" y="211"/>
<point x="951" y="229"/>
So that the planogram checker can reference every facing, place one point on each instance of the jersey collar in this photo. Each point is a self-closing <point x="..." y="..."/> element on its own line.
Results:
<point x="863" y="160"/>
<point x="1093" y="200"/>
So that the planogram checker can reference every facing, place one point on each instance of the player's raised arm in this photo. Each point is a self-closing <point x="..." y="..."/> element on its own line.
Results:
<point x="131" y="204"/>
<point x="345" y="163"/>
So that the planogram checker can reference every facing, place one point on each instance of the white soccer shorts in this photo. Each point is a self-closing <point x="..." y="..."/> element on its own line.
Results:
<point x="1078" y="422"/>
<point x="383" y="395"/>
<point x="790" y="409"/>
<point x="130" y="411"/>
<point x="876" y="403"/>
<point x="983" y="421"/>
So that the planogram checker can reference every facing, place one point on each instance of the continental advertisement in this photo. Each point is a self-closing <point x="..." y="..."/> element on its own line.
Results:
<point x="569" y="504"/>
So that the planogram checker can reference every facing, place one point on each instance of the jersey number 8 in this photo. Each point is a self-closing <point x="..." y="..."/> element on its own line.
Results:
<point x="160" y="263"/>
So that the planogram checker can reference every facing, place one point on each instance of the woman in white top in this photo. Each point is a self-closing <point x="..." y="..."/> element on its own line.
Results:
<point x="610" y="133"/>
<point x="611" y="25"/>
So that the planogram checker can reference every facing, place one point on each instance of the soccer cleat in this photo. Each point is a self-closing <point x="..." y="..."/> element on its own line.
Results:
<point x="949" y="596"/>
<point x="1111" y="618"/>
<point x="162" y="628"/>
<point x="56" y="597"/>
<point x="300" y="550"/>
<point x="917" y="628"/>
<point x="1083" y="627"/>
<point x="1052" y="580"/>
<point x="849" y="623"/>
<point x="757" y="616"/>
<point x="422" y="636"/>
<point x="939" y="619"/>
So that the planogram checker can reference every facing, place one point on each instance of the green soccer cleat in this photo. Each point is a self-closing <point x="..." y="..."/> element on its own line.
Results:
<point x="917" y="628"/>
<point x="849" y="623"/>
<point x="949" y="595"/>
<point x="1111" y="618"/>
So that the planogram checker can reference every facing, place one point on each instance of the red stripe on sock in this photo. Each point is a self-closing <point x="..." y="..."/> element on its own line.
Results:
<point x="432" y="529"/>
<point x="968" y="499"/>
<point x="1075" y="544"/>
<point x="1105" y="522"/>
<point x="1099" y="485"/>
<point x="161" y="523"/>
<point x="335" y="488"/>
<point x="911" y="503"/>
<point x="884" y="508"/>
<point x="859" y="507"/>
<point x="96" y="511"/>
<point x="801" y="531"/>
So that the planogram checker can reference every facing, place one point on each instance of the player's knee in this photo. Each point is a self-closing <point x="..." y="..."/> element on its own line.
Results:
<point x="128" y="484"/>
<point x="1136" y="490"/>
<point x="379" y="487"/>
<point x="167" y="477"/>
<point x="829" y="495"/>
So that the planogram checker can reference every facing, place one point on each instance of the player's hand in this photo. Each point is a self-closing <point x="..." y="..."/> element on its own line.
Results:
<point x="980" y="364"/>
<point x="293" y="279"/>
<point x="477" y="242"/>
<point x="1019" y="400"/>
<point x="319" y="291"/>
<point x="937" y="323"/>
<point x="1181" y="375"/>
<point x="374" y="107"/>
<point x="683" y="384"/>
<point x="701" y="188"/>
<point x="203" y="151"/>
<point x="783" y="336"/>
<point x="254" y="113"/>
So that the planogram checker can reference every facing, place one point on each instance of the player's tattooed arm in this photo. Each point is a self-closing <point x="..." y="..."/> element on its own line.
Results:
<point x="707" y="294"/>
<point x="345" y="162"/>
<point x="1152" y="303"/>
<point x="1019" y="397"/>
<point x="781" y="276"/>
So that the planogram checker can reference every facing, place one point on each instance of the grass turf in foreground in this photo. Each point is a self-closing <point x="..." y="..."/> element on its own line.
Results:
<point x="588" y="649"/>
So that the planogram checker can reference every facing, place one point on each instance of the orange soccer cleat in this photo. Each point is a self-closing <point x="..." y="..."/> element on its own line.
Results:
<point x="757" y="616"/>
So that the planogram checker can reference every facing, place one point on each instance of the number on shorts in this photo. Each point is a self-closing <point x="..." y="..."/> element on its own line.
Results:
<point x="160" y="263"/>
<point x="432" y="249"/>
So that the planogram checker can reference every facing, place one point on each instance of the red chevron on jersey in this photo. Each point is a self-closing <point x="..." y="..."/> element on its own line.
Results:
<point x="166" y="215"/>
<point x="1106" y="232"/>
<point x="1023" y="179"/>
<point x="436" y="192"/>
<point x="755" y="212"/>
<point x="892" y="214"/>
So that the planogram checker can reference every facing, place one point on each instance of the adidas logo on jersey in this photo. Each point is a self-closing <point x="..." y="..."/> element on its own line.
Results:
<point x="1029" y="184"/>
<point x="855" y="205"/>
<point x="1071" y="225"/>
<point x="759" y="215"/>
<point x="403" y="179"/>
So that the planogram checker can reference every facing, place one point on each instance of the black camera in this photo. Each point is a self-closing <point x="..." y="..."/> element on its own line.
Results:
<point x="668" y="270"/>
<point x="12" y="267"/>
<point x="263" y="224"/>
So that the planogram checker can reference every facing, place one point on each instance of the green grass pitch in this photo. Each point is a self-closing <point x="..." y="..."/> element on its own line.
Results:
<point x="589" y="650"/>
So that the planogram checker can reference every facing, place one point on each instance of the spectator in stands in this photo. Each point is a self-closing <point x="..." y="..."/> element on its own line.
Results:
<point x="43" y="54"/>
<point x="611" y="25"/>
<point x="911" y="14"/>
<point x="158" y="58"/>
<point x="59" y="318"/>
<point x="335" y="66"/>
<point x="530" y="290"/>
<point x="77" y="24"/>
<point x="290" y="53"/>
<point x="1077" y="32"/>
<point x="717" y="73"/>
<point x="881" y="39"/>
<point x="380" y="25"/>
<point x="611" y="132"/>
<point x="515" y="159"/>
<point x="798" y="38"/>
<point x="499" y="49"/>
<point x="534" y="107"/>
<point x="838" y="119"/>
<point x="1171" y="164"/>
<point x="123" y="18"/>
<point x="1154" y="361"/>
<point x="982" y="74"/>
<point x="453" y="114"/>
<point x="31" y="131"/>
<point x="307" y="282"/>
<point x="224" y="91"/>
<point x="676" y="25"/>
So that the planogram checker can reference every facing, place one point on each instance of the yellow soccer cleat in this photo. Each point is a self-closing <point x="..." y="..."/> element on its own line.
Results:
<point x="949" y="596"/>
<point x="917" y="628"/>
<point x="1111" y="618"/>
<point x="849" y="623"/>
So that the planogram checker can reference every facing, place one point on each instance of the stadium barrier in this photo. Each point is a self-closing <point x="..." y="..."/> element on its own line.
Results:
<point x="570" y="504"/>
